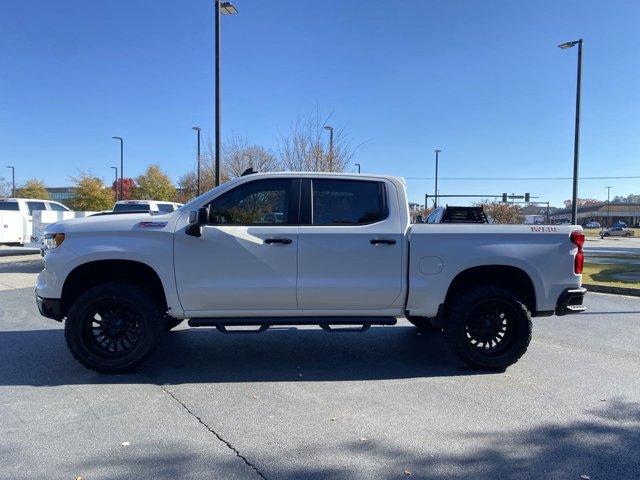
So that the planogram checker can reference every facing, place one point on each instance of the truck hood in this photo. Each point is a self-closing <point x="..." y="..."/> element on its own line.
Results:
<point x="115" y="223"/>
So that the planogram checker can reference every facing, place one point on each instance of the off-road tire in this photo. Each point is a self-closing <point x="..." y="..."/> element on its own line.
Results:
<point x="142" y="315"/>
<point x="425" y="324"/>
<point x="466" y="312"/>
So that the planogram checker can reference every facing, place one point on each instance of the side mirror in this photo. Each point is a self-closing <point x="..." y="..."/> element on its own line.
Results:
<point x="197" y="218"/>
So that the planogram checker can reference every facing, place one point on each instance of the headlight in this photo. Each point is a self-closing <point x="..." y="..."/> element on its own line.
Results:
<point x="52" y="240"/>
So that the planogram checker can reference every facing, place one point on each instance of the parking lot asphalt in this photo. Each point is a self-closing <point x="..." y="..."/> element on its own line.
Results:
<point x="306" y="404"/>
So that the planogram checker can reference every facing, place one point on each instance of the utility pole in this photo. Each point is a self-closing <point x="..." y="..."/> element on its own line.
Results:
<point x="121" y="165"/>
<point x="608" y="207"/>
<point x="226" y="8"/>
<point x="115" y="185"/>
<point x="330" y="128"/>
<point x="13" y="180"/>
<point x="435" y="199"/>
<point x="576" y="140"/>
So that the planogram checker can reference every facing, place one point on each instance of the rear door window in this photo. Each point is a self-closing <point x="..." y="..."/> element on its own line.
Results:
<point x="9" y="206"/>
<point x="33" y="206"/>
<point x="347" y="202"/>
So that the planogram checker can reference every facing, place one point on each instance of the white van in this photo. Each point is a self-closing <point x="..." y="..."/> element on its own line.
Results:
<point x="152" y="206"/>
<point x="16" y="217"/>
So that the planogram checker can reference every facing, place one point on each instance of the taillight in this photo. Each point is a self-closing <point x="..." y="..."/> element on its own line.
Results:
<point x="577" y="238"/>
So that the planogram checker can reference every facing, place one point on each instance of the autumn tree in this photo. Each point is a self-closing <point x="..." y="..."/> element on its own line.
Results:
<point x="128" y="188"/>
<point x="90" y="194"/>
<point x="501" y="212"/>
<point x="33" y="188"/>
<point x="154" y="184"/>
<point x="306" y="146"/>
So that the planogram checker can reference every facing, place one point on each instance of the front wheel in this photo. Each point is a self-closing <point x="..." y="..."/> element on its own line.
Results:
<point x="112" y="327"/>
<point x="489" y="328"/>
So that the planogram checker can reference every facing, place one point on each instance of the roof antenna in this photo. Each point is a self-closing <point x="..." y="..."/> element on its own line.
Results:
<point x="248" y="171"/>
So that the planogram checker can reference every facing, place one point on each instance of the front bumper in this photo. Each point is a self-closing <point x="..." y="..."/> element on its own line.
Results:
<point x="50" y="307"/>
<point x="570" y="301"/>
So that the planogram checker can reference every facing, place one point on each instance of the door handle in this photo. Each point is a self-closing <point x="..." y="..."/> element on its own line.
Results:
<point x="283" y="241"/>
<point x="382" y="241"/>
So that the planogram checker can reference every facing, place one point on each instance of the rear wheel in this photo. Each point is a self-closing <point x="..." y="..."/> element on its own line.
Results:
<point x="488" y="327"/>
<point x="111" y="328"/>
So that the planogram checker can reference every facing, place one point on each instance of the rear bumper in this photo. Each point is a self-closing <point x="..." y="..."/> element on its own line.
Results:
<point x="570" y="301"/>
<point x="50" y="307"/>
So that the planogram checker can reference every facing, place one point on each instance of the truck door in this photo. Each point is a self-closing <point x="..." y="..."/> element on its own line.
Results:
<point x="246" y="258"/>
<point x="350" y="250"/>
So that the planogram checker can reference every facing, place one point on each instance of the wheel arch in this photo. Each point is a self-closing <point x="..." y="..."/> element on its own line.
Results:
<point x="509" y="277"/>
<point x="96" y="272"/>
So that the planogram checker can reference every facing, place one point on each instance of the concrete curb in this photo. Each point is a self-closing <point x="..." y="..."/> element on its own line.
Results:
<point x="635" y="292"/>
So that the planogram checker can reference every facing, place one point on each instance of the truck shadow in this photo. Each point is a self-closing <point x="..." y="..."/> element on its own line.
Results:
<point x="40" y="357"/>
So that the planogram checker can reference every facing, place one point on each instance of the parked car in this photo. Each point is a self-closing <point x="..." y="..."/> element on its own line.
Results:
<point x="151" y="206"/>
<point x="16" y="217"/>
<point x="343" y="253"/>
<point x="617" y="232"/>
<point x="619" y="223"/>
<point x="592" y="225"/>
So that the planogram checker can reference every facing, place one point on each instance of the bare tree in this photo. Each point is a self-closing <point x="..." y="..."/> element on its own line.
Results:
<point x="238" y="155"/>
<point x="306" y="146"/>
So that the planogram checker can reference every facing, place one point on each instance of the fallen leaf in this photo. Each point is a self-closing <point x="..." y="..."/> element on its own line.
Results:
<point x="585" y="477"/>
<point x="333" y="419"/>
<point x="255" y="397"/>
<point x="125" y="444"/>
<point x="407" y="472"/>
<point x="79" y="478"/>
<point x="363" y="439"/>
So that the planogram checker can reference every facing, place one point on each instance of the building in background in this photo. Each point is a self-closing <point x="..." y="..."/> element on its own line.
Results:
<point x="605" y="215"/>
<point x="63" y="195"/>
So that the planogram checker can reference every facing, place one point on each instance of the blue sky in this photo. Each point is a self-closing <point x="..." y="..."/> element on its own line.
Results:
<point x="483" y="80"/>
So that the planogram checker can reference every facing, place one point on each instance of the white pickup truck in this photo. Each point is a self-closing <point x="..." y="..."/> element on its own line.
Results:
<point x="332" y="250"/>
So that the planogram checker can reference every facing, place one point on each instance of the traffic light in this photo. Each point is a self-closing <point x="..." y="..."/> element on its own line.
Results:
<point x="527" y="197"/>
<point x="504" y="197"/>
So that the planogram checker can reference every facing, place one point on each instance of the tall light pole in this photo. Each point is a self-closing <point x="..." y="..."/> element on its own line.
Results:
<point x="330" y="129"/>
<point x="13" y="180"/>
<point x="576" y="141"/>
<point x="115" y="185"/>
<point x="197" y="129"/>
<point x="358" y="165"/>
<point x="221" y="8"/>
<point x="121" y="165"/>
<point x="608" y="206"/>
<point x="435" y="199"/>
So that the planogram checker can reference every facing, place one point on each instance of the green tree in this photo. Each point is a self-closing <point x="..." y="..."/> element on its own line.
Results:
<point x="90" y="194"/>
<point x="154" y="184"/>
<point x="33" y="189"/>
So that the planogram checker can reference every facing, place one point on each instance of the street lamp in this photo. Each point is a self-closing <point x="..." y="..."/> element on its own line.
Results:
<point x="330" y="129"/>
<point x="115" y="185"/>
<point x="608" y="206"/>
<point x="13" y="180"/>
<point x="198" y="129"/>
<point x="358" y="165"/>
<point x="576" y="141"/>
<point x="435" y="199"/>
<point x="121" y="165"/>
<point x="221" y="8"/>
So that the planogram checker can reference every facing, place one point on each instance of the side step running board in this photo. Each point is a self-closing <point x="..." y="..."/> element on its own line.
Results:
<point x="361" y="324"/>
